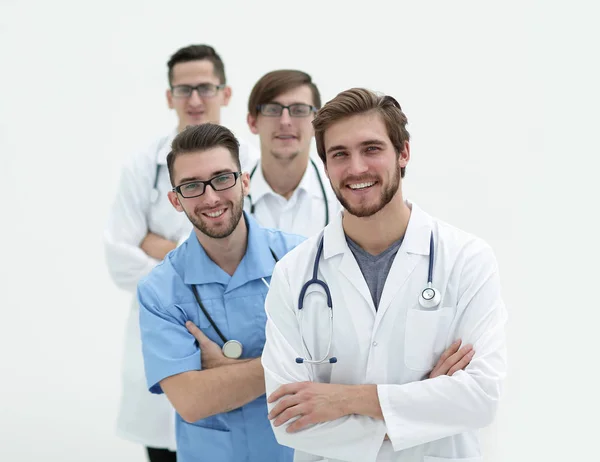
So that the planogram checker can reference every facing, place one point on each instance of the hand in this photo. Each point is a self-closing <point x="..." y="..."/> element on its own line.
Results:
<point x="453" y="360"/>
<point x="157" y="246"/>
<point x="312" y="402"/>
<point x="211" y="353"/>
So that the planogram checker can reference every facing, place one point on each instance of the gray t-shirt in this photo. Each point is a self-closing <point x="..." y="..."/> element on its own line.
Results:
<point x="375" y="268"/>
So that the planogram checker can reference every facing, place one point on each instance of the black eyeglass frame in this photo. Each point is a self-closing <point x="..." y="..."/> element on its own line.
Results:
<point x="236" y="175"/>
<point x="213" y="92"/>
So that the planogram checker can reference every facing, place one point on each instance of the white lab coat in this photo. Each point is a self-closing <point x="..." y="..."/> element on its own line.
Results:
<point x="143" y="417"/>
<point x="395" y="348"/>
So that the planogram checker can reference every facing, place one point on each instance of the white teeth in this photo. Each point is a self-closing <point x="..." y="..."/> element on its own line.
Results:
<point x="215" y="214"/>
<point x="361" y="185"/>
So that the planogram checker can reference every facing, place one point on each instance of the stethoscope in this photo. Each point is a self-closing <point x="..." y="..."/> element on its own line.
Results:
<point x="252" y="205"/>
<point x="429" y="298"/>
<point x="231" y="348"/>
<point x="154" y="194"/>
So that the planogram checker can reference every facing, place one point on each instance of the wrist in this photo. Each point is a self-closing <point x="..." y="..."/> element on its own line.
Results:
<point x="363" y="400"/>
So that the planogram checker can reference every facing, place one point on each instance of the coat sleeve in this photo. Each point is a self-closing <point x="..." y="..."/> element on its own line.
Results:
<point x="352" y="438"/>
<point x="419" y="412"/>
<point x="127" y="226"/>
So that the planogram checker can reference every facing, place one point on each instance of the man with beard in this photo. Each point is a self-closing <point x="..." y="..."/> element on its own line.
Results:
<point x="358" y="314"/>
<point x="202" y="314"/>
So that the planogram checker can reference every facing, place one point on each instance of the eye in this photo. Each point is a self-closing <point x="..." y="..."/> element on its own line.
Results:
<point x="338" y="154"/>
<point x="191" y="186"/>
<point x="373" y="148"/>
<point x="222" y="179"/>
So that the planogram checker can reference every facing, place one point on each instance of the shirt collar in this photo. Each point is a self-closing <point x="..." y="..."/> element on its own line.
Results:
<point x="165" y="149"/>
<point x="258" y="261"/>
<point x="309" y="183"/>
<point x="416" y="238"/>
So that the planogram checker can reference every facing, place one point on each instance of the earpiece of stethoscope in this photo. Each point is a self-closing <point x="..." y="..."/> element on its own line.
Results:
<point x="332" y="360"/>
<point x="430" y="297"/>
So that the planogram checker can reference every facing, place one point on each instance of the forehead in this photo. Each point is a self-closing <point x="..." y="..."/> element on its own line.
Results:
<point x="351" y="131"/>
<point x="203" y="165"/>
<point x="194" y="73"/>
<point x="302" y="94"/>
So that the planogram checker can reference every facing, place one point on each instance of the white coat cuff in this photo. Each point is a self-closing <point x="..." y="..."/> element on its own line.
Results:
<point x="393" y="424"/>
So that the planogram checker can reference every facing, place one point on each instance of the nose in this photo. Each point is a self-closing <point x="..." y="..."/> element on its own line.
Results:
<point x="210" y="196"/>
<point x="285" y="118"/>
<point x="357" y="165"/>
<point x="195" y="98"/>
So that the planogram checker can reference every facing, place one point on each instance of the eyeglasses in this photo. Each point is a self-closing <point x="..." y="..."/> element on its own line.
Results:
<point x="206" y="90"/>
<point x="295" y="110"/>
<point x="198" y="187"/>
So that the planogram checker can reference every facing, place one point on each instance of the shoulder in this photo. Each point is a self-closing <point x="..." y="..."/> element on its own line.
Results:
<point x="464" y="247"/>
<point x="165" y="280"/>
<point x="282" y="241"/>
<point x="143" y="161"/>
<point x="301" y="253"/>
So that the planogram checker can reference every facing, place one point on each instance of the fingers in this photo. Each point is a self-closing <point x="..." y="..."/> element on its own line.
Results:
<point x="455" y="359"/>
<point x="292" y="409"/>
<point x="289" y="389"/>
<point x="197" y="333"/>
<point x="449" y="352"/>
<point x="464" y="362"/>
<point x="303" y="422"/>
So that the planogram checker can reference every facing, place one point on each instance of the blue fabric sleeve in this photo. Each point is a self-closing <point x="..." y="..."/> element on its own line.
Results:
<point x="167" y="346"/>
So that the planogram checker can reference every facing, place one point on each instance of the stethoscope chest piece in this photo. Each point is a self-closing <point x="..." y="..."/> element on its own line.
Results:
<point x="232" y="349"/>
<point x="429" y="298"/>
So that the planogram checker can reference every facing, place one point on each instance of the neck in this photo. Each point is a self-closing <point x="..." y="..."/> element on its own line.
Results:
<point x="284" y="176"/>
<point x="376" y="233"/>
<point x="226" y="252"/>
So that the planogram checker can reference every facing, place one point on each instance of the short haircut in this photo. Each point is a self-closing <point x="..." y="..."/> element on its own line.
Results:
<point x="197" y="53"/>
<point x="360" y="101"/>
<point x="198" y="138"/>
<point x="273" y="84"/>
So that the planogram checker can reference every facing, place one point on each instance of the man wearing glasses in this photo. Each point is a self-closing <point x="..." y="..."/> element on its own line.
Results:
<point x="216" y="280"/>
<point x="289" y="190"/>
<point x="143" y="227"/>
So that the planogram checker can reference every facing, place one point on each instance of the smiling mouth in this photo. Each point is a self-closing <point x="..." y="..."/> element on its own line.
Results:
<point x="286" y="137"/>
<point x="215" y="214"/>
<point x="360" y="186"/>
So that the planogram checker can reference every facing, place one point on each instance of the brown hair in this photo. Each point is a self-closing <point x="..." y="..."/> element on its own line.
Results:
<point x="197" y="53"/>
<point x="202" y="138"/>
<point x="359" y="101"/>
<point x="275" y="83"/>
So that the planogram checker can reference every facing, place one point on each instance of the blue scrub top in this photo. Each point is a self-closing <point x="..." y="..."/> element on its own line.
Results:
<point x="236" y="305"/>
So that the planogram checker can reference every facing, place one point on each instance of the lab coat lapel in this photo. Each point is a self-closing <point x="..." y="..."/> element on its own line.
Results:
<point x="335" y="244"/>
<point x="415" y="246"/>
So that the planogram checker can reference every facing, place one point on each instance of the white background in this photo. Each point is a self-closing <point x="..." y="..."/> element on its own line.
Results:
<point x="502" y="100"/>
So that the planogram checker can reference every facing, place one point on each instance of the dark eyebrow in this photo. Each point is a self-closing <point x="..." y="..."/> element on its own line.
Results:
<point x="195" y="178"/>
<point x="372" y="142"/>
<point x="291" y="104"/>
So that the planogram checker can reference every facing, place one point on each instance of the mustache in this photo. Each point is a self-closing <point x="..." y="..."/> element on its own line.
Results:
<point x="360" y="179"/>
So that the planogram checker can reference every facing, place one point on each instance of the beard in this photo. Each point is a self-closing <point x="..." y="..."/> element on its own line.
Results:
<point x="366" y="210"/>
<point x="221" y="230"/>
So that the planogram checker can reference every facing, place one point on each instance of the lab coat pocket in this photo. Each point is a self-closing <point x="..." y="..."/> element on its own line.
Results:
<point x="452" y="459"/>
<point x="425" y="337"/>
